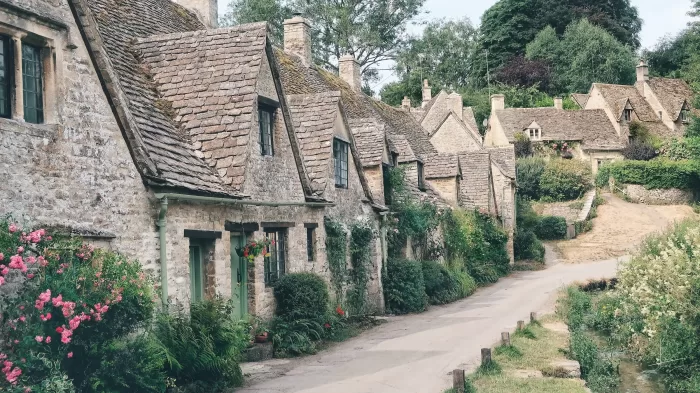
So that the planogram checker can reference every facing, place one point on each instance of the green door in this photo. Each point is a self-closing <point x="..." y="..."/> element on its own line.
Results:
<point x="239" y="277"/>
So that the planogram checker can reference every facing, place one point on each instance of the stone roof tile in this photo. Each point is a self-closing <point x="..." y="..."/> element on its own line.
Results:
<point x="504" y="158"/>
<point x="580" y="99"/>
<point x="475" y="185"/>
<point x="441" y="165"/>
<point x="402" y="147"/>
<point x="592" y="127"/>
<point x="672" y="94"/>
<point x="370" y="139"/>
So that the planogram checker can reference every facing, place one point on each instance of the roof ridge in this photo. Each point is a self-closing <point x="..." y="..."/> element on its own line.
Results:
<point x="194" y="33"/>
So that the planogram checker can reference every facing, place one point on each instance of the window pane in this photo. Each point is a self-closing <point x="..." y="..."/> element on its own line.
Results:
<point x="32" y="84"/>
<point x="265" y="119"/>
<point x="281" y="253"/>
<point x="5" y="80"/>
<point x="340" y="155"/>
<point x="310" y="244"/>
<point x="196" y="273"/>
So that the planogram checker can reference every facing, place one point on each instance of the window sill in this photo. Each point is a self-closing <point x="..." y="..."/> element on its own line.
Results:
<point x="25" y="128"/>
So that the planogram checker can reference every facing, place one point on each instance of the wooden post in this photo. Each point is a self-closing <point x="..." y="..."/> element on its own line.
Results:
<point x="485" y="356"/>
<point x="505" y="338"/>
<point x="458" y="380"/>
<point x="533" y="316"/>
<point x="521" y="325"/>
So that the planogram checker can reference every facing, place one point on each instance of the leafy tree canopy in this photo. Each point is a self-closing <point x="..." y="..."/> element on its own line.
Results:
<point x="584" y="54"/>
<point x="372" y="31"/>
<point x="509" y="25"/>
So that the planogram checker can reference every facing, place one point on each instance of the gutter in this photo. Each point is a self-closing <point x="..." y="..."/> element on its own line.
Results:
<point x="162" y="223"/>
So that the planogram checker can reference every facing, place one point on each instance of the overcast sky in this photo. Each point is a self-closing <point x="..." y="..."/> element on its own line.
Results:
<point x="661" y="17"/>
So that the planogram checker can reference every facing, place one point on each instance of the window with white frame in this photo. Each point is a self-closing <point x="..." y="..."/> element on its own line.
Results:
<point x="534" y="134"/>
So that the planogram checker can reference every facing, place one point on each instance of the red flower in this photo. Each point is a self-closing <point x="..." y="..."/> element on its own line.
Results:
<point x="59" y="329"/>
<point x="245" y="253"/>
<point x="340" y="311"/>
<point x="327" y="325"/>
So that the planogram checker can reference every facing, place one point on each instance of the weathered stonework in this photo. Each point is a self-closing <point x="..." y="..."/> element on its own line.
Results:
<point x="670" y="196"/>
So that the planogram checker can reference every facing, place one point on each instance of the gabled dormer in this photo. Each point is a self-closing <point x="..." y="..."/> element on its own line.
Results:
<point x="533" y="131"/>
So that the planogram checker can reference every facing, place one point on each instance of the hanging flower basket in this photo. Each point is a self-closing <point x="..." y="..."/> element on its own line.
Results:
<point x="254" y="248"/>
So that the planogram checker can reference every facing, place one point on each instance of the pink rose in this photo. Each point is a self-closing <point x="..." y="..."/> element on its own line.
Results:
<point x="70" y="355"/>
<point x="39" y="339"/>
<point x="48" y="339"/>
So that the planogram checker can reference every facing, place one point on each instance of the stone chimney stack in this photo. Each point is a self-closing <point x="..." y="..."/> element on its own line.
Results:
<point x="642" y="71"/>
<point x="558" y="103"/>
<point x="427" y="93"/>
<point x="406" y="103"/>
<point x="349" y="71"/>
<point x="207" y="11"/>
<point x="498" y="103"/>
<point x="297" y="38"/>
<point x="456" y="104"/>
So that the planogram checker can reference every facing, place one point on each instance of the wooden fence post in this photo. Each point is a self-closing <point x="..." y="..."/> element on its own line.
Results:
<point x="458" y="380"/>
<point x="521" y="325"/>
<point x="505" y="338"/>
<point x="533" y="316"/>
<point x="485" y="356"/>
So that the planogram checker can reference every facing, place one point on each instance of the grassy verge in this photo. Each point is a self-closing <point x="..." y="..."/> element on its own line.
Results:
<point x="531" y="352"/>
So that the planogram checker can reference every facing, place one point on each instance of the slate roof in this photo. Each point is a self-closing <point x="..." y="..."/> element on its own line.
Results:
<point x="370" y="140"/>
<point x="207" y="79"/>
<point x="164" y="153"/>
<point x="441" y="165"/>
<point x="592" y="127"/>
<point x="402" y="123"/>
<point x="580" y="99"/>
<point x="313" y="116"/>
<point x="400" y="143"/>
<point x="672" y="94"/>
<point x="504" y="158"/>
<point x="475" y="185"/>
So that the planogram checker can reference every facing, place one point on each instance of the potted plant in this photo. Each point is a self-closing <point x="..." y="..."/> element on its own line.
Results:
<point x="262" y="335"/>
<point x="254" y="248"/>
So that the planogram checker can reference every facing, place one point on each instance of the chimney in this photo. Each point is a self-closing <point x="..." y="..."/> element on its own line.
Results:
<point x="642" y="71"/>
<point x="498" y="103"/>
<point x="297" y="38"/>
<point x="206" y="10"/>
<point x="558" y="103"/>
<point x="349" y="71"/>
<point x="406" y="103"/>
<point x="427" y="94"/>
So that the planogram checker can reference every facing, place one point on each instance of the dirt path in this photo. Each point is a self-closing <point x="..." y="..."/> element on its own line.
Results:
<point x="619" y="229"/>
<point x="416" y="353"/>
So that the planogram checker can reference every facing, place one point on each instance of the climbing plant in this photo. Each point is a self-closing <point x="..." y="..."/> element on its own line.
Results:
<point x="336" y="253"/>
<point x="361" y="237"/>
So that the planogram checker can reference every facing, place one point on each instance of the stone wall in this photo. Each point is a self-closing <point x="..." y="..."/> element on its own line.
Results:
<point x="452" y="137"/>
<point x="447" y="188"/>
<point x="375" y="181"/>
<point x="670" y="196"/>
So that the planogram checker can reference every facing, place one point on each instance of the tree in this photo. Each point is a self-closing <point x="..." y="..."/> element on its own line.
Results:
<point x="509" y="25"/>
<point x="372" y="31"/>
<point x="520" y="71"/>
<point x="440" y="55"/>
<point x="583" y="55"/>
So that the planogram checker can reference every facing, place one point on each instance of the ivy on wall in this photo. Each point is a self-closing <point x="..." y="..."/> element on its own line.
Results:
<point x="362" y="237"/>
<point x="336" y="254"/>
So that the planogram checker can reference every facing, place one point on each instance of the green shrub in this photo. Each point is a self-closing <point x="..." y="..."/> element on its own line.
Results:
<point x="478" y="243"/>
<point x="203" y="348"/>
<point x="522" y="145"/>
<point x="444" y="285"/>
<point x="296" y="337"/>
<point x="605" y="309"/>
<point x="659" y="173"/>
<point x="564" y="180"/>
<point x="527" y="247"/>
<point x="404" y="287"/>
<point x="600" y="373"/>
<point x="637" y="150"/>
<point x="682" y="149"/>
<point x="301" y="296"/>
<point x="551" y="228"/>
<point x="574" y="307"/>
<point x="529" y="172"/>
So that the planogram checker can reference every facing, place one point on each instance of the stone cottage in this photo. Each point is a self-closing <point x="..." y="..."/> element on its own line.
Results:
<point x="588" y="134"/>
<point x="662" y="105"/>
<point x="484" y="177"/>
<point x="140" y="129"/>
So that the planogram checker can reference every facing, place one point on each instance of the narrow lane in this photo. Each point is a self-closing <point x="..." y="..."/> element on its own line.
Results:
<point x="416" y="353"/>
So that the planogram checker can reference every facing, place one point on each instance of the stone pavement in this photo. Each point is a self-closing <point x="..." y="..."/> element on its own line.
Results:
<point x="416" y="353"/>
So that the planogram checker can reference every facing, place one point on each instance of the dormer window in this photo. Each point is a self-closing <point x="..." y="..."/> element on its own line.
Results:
<point x="266" y="117"/>
<point x="627" y="115"/>
<point x="535" y="134"/>
<point x="685" y="115"/>
<point x="340" y="159"/>
<point x="421" y="179"/>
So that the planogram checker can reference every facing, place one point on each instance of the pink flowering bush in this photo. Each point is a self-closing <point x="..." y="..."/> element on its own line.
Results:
<point x="61" y="304"/>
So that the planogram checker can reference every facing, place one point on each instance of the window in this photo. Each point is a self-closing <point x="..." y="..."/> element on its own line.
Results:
<point x="310" y="244"/>
<point x="196" y="273"/>
<point x="31" y="81"/>
<point x="395" y="159"/>
<point x="421" y="182"/>
<point x="275" y="263"/>
<point x="627" y="115"/>
<point x="386" y="174"/>
<point x="534" y="134"/>
<point x="685" y="115"/>
<point x="340" y="156"/>
<point x="266" y="117"/>
<point x="6" y="71"/>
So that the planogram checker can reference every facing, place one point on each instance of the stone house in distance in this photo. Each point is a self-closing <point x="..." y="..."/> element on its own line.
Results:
<point x="174" y="143"/>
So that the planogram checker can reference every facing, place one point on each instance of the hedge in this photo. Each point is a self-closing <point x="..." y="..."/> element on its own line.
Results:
<point x="551" y="228"/>
<point x="404" y="287"/>
<point x="301" y="296"/>
<point x="660" y="173"/>
<point x="565" y="180"/>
